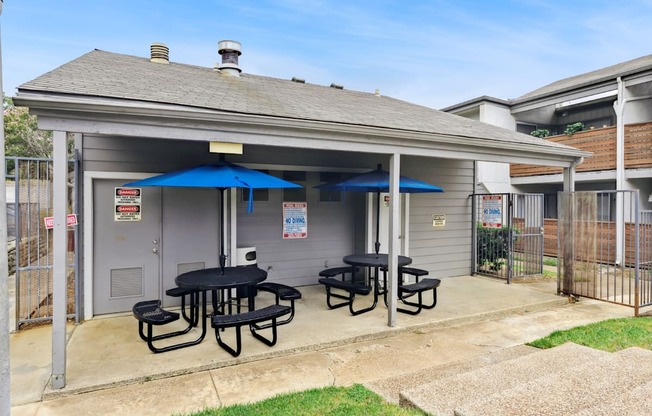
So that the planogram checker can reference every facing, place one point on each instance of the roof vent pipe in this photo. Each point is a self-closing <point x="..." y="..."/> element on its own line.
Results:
<point x="159" y="53"/>
<point x="230" y="50"/>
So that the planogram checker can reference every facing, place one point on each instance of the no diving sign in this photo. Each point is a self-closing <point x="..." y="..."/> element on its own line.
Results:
<point x="492" y="211"/>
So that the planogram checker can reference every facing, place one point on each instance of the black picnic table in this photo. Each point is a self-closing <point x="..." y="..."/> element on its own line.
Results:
<point x="216" y="278"/>
<point x="376" y="262"/>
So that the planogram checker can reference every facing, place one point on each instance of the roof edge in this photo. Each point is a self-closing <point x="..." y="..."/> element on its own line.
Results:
<point x="477" y="100"/>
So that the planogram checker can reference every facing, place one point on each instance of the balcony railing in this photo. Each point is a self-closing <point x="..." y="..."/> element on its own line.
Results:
<point x="602" y="143"/>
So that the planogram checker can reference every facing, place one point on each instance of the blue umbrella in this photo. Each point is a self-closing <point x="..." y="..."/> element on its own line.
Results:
<point x="221" y="175"/>
<point x="377" y="181"/>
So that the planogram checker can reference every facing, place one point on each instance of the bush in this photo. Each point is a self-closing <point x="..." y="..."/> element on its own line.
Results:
<point x="574" y="128"/>
<point x="493" y="245"/>
<point x="541" y="133"/>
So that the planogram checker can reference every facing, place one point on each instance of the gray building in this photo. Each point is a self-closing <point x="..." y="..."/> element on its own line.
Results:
<point x="133" y="117"/>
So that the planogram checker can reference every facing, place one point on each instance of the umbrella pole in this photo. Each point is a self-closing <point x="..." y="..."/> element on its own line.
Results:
<point x="222" y="256"/>
<point x="377" y="244"/>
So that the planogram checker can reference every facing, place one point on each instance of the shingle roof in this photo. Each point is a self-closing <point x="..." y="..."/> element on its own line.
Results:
<point x="110" y="75"/>
<point x="609" y="73"/>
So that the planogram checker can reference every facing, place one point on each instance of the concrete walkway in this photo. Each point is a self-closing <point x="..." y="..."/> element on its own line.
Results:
<point x="110" y="371"/>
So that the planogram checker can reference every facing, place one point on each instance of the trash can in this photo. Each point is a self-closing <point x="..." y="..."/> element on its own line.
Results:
<point x="245" y="257"/>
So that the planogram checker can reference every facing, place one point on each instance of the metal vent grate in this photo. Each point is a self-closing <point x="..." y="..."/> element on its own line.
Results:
<point x="126" y="282"/>
<point x="188" y="267"/>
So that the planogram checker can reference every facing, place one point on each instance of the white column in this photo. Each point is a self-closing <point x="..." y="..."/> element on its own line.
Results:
<point x="59" y="284"/>
<point x="233" y="217"/>
<point x="619" y="107"/>
<point x="5" y="391"/>
<point x="569" y="177"/>
<point x="394" y="243"/>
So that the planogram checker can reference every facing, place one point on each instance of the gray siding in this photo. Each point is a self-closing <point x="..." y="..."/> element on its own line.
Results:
<point x="126" y="154"/>
<point x="446" y="251"/>
<point x="331" y="235"/>
<point x="335" y="229"/>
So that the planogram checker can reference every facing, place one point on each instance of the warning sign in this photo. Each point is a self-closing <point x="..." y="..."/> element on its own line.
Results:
<point x="438" y="220"/>
<point x="127" y="204"/>
<point x="71" y="221"/>
<point x="295" y="220"/>
<point x="492" y="211"/>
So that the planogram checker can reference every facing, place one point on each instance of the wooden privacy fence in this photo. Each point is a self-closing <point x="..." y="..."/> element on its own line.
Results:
<point x="605" y="237"/>
<point x="602" y="143"/>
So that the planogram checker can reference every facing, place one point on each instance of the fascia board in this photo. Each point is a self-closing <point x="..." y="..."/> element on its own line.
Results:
<point x="179" y="122"/>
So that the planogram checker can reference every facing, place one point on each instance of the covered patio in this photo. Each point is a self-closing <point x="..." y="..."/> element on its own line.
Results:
<point x="132" y="117"/>
<point x="106" y="352"/>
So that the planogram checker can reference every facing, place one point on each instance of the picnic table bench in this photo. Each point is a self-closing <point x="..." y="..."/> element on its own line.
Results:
<point x="150" y="313"/>
<point x="268" y="313"/>
<point x="352" y="289"/>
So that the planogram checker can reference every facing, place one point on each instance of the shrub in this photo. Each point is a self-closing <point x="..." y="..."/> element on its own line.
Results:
<point x="541" y="133"/>
<point x="493" y="245"/>
<point x="574" y="128"/>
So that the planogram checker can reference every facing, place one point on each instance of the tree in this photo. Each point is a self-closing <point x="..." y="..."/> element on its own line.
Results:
<point x="22" y="136"/>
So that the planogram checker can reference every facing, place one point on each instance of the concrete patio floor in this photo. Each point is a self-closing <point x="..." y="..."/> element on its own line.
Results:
<point x="106" y="356"/>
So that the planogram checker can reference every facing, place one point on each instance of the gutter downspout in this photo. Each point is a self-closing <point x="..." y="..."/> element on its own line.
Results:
<point x="619" y="108"/>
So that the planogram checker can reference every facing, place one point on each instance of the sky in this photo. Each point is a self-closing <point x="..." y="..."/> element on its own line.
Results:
<point x="434" y="53"/>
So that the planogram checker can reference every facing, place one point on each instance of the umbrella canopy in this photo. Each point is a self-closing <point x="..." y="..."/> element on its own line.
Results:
<point x="377" y="181"/>
<point x="221" y="175"/>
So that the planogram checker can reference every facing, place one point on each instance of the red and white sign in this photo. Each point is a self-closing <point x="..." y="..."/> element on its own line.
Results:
<point x="295" y="220"/>
<point x="127" y="204"/>
<point x="492" y="211"/>
<point x="71" y="221"/>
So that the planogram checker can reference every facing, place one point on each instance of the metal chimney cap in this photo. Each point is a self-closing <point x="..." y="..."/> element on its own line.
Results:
<point x="229" y="45"/>
<point x="230" y="51"/>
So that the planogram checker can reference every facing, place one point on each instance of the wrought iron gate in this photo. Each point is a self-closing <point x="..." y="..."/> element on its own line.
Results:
<point x="31" y="180"/>
<point x="508" y="235"/>
<point x="605" y="246"/>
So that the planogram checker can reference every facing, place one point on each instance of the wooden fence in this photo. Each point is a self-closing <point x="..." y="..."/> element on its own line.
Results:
<point x="604" y="237"/>
<point x="602" y="143"/>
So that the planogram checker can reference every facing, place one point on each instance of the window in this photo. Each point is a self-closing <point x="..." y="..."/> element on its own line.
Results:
<point x="329" y="195"/>
<point x="550" y="206"/>
<point x="259" y="194"/>
<point x="295" y="194"/>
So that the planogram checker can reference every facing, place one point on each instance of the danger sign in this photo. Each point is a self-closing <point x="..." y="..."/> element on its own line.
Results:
<point x="127" y="202"/>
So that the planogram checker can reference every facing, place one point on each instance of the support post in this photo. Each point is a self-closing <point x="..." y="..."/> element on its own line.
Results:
<point x="59" y="281"/>
<point x="619" y="108"/>
<point x="565" y="231"/>
<point x="5" y="390"/>
<point x="394" y="244"/>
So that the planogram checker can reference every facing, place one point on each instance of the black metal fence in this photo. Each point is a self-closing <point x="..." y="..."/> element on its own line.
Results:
<point x="508" y="235"/>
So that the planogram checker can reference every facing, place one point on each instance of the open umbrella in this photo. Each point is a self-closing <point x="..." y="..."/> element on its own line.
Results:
<point x="377" y="181"/>
<point x="221" y="175"/>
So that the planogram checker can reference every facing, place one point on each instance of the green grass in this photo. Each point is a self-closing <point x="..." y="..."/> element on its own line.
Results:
<point x="550" y="261"/>
<point x="329" y="401"/>
<point x="610" y="335"/>
<point x="549" y="274"/>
